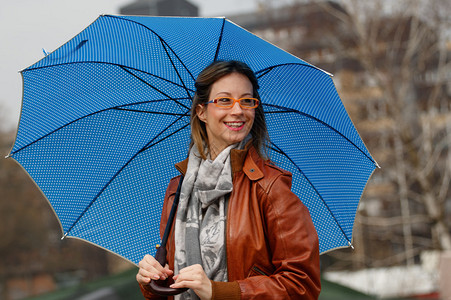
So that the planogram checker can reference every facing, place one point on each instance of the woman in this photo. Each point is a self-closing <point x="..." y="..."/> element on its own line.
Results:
<point x="240" y="233"/>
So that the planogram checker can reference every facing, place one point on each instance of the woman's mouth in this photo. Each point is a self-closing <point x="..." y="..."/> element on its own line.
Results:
<point x="234" y="125"/>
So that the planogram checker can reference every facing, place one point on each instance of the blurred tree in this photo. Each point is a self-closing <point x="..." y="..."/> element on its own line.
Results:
<point x="402" y="49"/>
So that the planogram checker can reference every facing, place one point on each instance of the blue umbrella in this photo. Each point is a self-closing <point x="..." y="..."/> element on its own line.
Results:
<point x="105" y="117"/>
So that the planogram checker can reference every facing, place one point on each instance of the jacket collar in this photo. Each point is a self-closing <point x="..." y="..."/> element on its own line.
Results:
<point x="242" y="160"/>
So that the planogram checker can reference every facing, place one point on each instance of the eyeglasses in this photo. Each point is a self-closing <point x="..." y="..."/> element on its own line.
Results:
<point x="229" y="102"/>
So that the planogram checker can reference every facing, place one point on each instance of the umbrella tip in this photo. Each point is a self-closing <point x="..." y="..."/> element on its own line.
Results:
<point x="64" y="236"/>
<point x="8" y="156"/>
<point x="350" y="245"/>
<point x="45" y="52"/>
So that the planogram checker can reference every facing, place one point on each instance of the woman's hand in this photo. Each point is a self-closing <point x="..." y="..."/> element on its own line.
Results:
<point x="150" y="268"/>
<point x="194" y="277"/>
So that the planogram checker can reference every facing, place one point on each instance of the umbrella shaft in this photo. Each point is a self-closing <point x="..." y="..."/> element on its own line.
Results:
<point x="172" y="214"/>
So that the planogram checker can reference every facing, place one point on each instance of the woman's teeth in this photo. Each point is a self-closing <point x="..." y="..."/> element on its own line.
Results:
<point x="234" y="124"/>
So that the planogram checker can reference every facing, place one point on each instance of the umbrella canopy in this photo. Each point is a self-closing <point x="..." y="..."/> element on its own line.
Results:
<point x="105" y="117"/>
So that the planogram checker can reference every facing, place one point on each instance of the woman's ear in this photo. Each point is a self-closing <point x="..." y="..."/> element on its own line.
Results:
<point x="201" y="111"/>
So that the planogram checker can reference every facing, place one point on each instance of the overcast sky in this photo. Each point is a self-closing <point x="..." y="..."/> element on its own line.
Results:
<point x="28" y="26"/>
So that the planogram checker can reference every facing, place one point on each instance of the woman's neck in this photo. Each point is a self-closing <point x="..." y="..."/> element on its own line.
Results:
<point x="214" y="151"/>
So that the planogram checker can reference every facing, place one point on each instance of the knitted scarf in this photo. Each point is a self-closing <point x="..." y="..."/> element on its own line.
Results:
<point x="200" y="225"/>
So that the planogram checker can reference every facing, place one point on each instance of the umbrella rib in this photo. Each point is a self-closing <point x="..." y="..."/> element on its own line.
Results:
<point x="152" y="112"/>
<point x="150" y="101"/>
<point x="219" y="40"/>
<point x="151" y="145"/>
<point x="156" y="34"/>
<point x="282" y="110"/>
<point x="280" y="151"/>
<point x="155" y="88"/>
<point x="106" y="63"/>
<point x="122" y="168"/>
<point x="265" y="71"/>
<point x="88" y="115"/>
<point x="59" y="128"/>
<point x="159" y="77"/>
<point x="289" y="110"/>
<point x="174" y="67"/>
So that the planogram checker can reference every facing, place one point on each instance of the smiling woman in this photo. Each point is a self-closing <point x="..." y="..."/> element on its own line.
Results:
<point x="240" y="232"/>
<point x="227" y="126"/>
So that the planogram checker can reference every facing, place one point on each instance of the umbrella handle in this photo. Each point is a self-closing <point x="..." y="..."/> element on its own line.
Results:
<point x="156" y="286"/>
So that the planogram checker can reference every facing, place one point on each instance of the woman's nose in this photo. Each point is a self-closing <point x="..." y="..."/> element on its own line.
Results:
<point x="236" y="108"/>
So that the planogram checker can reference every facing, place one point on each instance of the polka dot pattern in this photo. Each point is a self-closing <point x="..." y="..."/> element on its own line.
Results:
<point x="328" y="174"/>
<point x="128" y="208"/>
<point x="105" y="117"/>
<point x="311" y="92"/>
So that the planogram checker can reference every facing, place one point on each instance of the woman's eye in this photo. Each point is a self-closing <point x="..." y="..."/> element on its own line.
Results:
<point x="224" y="100"/>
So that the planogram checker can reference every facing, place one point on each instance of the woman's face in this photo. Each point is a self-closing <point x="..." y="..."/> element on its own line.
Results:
<point x="227" y="126"/>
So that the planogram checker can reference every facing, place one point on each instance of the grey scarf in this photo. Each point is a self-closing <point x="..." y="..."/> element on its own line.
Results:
<point x="201" y="216"/>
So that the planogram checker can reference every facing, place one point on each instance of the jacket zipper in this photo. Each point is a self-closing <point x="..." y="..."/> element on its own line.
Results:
<point x="256" y="269"/>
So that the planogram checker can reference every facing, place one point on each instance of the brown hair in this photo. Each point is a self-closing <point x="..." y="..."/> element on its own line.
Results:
<point x="204" y="82"/>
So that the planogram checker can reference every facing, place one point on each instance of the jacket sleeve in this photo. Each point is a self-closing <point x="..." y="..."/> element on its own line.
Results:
<point x="293" y="242"/>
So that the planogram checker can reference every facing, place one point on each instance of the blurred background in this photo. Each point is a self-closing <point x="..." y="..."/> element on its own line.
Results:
<point x="391" y="62"/>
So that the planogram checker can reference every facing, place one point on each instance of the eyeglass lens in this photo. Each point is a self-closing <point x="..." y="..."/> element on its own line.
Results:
<point x="228" y="102"/>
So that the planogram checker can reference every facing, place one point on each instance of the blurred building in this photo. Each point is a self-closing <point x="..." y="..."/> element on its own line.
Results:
<point x="160" y="8"/>
<point x="305" y="30"/>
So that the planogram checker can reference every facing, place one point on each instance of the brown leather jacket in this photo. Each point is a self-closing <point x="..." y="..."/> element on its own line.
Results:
<point x="272" y="245"/>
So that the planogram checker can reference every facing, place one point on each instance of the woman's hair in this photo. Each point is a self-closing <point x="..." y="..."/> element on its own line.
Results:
<point x="204" y="82"/>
